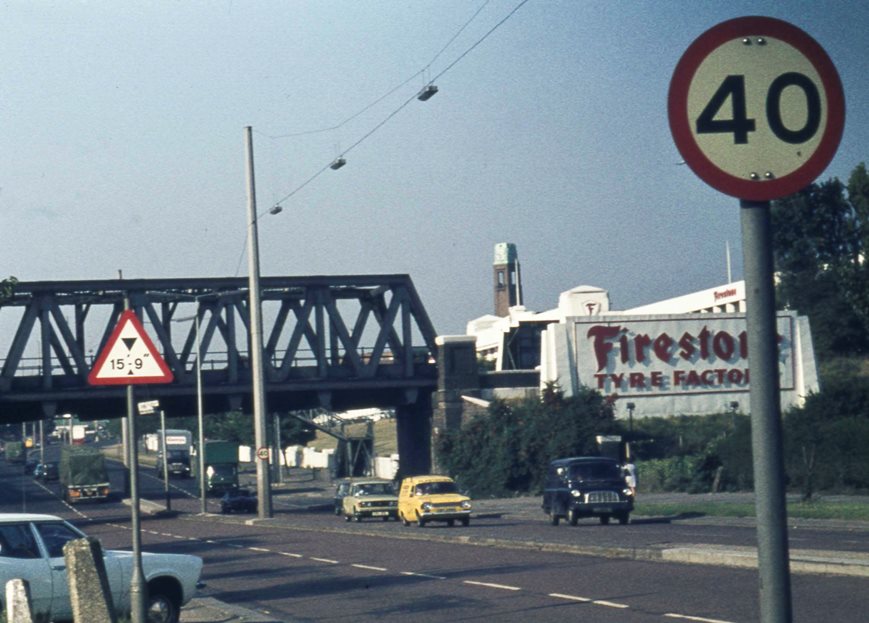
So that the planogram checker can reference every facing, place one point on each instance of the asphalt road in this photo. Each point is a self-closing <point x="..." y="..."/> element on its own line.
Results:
<point x="308" y="565"/>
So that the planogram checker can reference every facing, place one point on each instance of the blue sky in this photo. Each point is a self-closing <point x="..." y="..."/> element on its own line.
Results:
<point x="122" y="133"/>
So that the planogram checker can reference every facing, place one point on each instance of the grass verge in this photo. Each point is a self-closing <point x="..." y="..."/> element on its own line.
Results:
<point x="845" y="511"/>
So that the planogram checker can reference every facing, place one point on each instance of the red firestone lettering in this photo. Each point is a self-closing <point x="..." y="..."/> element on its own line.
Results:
<point x="722" y="345"/>
<point x="637" y="379"/>
<point x="662" y="346"/>
<point x="641" y="343"/>
<point x="603" y="342"/>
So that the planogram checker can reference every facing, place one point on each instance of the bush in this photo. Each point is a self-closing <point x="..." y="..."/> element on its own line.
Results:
<point x="507" y="450"/>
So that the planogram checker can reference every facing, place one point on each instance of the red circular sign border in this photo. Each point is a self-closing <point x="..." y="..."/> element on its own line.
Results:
<point x="680" y="125"/>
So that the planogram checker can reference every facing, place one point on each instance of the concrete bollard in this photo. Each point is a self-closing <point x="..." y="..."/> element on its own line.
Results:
<point x="89" y="592"/>
<point x="18" y="602"/>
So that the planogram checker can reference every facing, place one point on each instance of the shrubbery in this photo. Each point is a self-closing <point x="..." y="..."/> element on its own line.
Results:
<point x="507" y="451"/>
<point x="826" y="444"/>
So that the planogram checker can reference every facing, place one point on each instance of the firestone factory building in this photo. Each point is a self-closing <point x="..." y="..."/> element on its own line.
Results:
<point x="684" y="355"/>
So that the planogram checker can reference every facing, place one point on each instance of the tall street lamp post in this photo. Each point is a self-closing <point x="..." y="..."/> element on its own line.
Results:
<point x="263" y="482"/>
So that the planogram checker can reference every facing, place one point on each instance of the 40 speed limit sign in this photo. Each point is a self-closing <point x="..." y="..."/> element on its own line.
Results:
<point x="756" y="108"/>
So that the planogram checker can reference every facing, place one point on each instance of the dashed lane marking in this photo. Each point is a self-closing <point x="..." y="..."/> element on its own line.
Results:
<point x="326" y="560"/>
<point x="423" y="575"/>
<point x="609" y="604"/>
<point x="290" y="555"/>
<point x="260" y="549"/>
<point x="570" y="597"/>
<point x="490" y="585"/>
<point x="369" y="567"/>
<point x="687" y="617"/>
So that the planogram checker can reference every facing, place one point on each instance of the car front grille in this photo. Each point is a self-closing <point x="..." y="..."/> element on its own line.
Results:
<point x="598" y="497"/>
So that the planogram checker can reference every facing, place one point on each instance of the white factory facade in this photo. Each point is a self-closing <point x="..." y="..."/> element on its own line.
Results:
<point x="684" y="355"/>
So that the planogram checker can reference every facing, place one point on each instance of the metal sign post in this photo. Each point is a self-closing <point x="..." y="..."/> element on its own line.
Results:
<point x="129" y="358"/>
<point x="757" y="110"/>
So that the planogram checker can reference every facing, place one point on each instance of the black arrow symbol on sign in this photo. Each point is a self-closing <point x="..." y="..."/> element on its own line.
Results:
<point x="129" y="341"/>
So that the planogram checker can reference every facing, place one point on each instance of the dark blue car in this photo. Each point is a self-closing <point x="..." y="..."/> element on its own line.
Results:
<point x="238" y="501"/>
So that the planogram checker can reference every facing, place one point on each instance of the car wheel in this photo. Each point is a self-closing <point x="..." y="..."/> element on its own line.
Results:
<point x="572" y="517"/>
<point x="553" y="517"/>
<point x="420" y="522"/>
<point x="624" y="518"/>
<point x="357" y="517"/>
<point x="347" y="518"/>
<point x="161" y="608"/>
<point x="604" y="519"/>
<point x="451" y="522"/>
<point x="466" y="521"/>
<point x="403" y="520"/>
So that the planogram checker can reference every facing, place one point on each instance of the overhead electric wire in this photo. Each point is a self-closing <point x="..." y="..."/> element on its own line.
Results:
<point x="388" y="93"/>
<point x="406" y="102"/>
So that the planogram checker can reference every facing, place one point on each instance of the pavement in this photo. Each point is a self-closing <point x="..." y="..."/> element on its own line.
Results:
<point x="317" y="494"/>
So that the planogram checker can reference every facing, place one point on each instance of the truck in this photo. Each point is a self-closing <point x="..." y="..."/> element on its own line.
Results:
<point x="83" y="474"/>
<point x="15" y="452"/>
<point x="177" y="444"/>
<point x="221" y="466"/>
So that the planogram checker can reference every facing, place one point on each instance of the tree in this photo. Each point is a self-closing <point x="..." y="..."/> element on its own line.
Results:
<point x="7" y="286"/>
<point x="820" y="240"/>
<point x="508" y="449"/>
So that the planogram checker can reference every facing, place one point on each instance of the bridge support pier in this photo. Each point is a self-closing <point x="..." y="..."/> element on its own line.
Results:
<point x="457" y="376"/>
<point x="413" y="430"/>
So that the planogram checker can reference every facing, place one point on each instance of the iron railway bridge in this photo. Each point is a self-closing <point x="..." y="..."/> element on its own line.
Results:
<point x="334" y="342"/>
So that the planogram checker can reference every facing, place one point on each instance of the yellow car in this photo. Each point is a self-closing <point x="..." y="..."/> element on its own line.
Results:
<point x="432" y="498"/>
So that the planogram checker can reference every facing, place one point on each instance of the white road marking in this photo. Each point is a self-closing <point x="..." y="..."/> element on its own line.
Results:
<point x="423" y="575"/>
<point x="490" y="585"/>
<point x="290" y="555"/>
<point x="609" y="604"/>
<point x="326" y="560"/>
<point x="259" y="549"/>
<point x="370" y="568"/>
<point x="570" y="597"/>
<point x="692" y="618"/>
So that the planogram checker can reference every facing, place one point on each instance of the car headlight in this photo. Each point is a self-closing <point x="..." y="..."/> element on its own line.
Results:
<point x="466" y="505"/>
<point x="627" y="492"/>
<point x="426" y="506"/>
<point x="576" y="493"/>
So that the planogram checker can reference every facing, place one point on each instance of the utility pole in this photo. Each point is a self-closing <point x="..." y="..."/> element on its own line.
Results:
<point x="263" y="480"/>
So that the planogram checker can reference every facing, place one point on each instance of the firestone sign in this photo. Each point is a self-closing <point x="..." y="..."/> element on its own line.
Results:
<point x="635" y="357"/>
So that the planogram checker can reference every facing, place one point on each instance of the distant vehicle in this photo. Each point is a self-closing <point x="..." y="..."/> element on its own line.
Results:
<point x="177" y="445"/>
<point x="31" y="462"/>
<point x="221" y="466"/>
<point x="238" y="501"/>
<point x="370" y="497"/>
<point x="31" y="548"/>
<point x="83" y="474"/>
<point x="432" y="498"/>
<point x="587" y="487"/>
<point x="46" y="471"/>
<point x="341" y="489"/>
<point x="15" y="452"/>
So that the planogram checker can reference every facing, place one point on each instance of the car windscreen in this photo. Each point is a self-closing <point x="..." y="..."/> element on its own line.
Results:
<point x="594" y="471"/>
<point x="375" y="489"/>
<point x="435" y="488"/>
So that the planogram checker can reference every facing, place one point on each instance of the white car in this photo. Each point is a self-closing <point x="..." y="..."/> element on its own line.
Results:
<point x="31" y="548"/>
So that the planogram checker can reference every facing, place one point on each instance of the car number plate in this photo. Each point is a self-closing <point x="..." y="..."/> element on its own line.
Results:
<point x="379" y="513"/>
<point x="602" y="509"/>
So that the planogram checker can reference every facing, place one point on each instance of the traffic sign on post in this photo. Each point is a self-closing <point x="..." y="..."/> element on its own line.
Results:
<point x="129" y="357"/>
<point x="756" y="108"/>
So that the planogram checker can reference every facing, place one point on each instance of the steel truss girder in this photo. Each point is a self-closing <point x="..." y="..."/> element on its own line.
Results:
<point x="324" y="334"/>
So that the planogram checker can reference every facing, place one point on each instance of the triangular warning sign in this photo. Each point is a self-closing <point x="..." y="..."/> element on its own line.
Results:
<point x="129" y="357"/>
